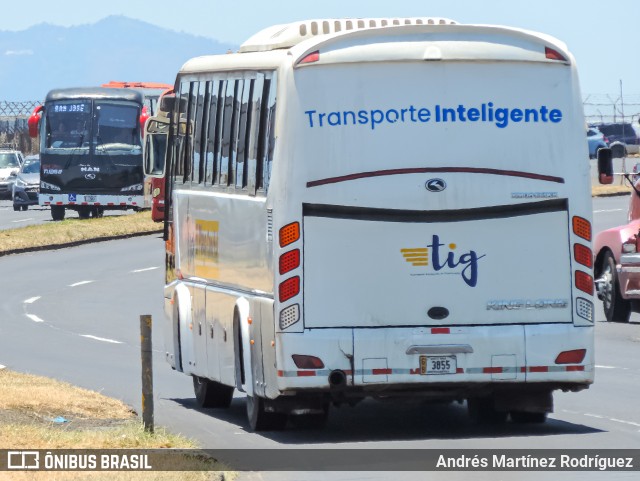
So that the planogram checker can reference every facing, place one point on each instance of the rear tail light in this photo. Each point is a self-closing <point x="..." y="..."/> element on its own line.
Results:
<point x="289" y="261"/>
<point x="552" y="54"/>
<point x="310" y="58"/>
<point x="582" y="228"/>
<point x="571" y="357"/>
<point x="307" y="362"/>
<point x="289" y="288"/>
<point x="582" y="254"/>
<point x="289" y="234"/>
<point x="584" y="282"/>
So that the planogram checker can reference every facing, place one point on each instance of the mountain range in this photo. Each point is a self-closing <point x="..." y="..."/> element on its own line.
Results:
<point x="44" y="57"/>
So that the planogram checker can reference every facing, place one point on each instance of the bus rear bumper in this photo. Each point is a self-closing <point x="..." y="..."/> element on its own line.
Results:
<point x="432" y="360"/>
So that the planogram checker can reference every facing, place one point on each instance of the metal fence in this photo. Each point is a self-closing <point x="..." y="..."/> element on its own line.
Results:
<point x="603" y="108"/>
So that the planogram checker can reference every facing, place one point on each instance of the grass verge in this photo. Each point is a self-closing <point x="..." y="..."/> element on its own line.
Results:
<point x="74" y="231"/>
<point x="30" y="411"/>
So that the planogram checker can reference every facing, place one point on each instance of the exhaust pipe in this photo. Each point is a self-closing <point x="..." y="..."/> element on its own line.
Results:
<point x="337" y="379"/>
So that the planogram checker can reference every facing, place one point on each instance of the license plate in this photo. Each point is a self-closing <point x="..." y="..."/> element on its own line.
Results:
<point x="438" y="364"/>
<point x="90" y="198"/>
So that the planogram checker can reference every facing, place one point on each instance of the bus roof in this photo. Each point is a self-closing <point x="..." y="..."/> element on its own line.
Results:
<point x="94" y="93"/>
<point x="288" y="35"/>
<point x="405" y="39"/>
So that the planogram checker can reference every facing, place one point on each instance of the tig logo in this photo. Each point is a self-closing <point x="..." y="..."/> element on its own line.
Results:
<point x="445" y="261"/>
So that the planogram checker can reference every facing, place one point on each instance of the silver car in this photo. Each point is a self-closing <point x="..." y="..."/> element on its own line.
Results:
<point x="27" y="184"/>
<point x="10" y="162"/>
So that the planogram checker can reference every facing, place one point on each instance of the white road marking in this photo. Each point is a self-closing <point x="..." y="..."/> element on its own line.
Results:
<point x="23" y="220"/>
<point x="80" y="283"/>
<point x="34" y="318"/>
<point x="145" y="269"/>
<point x="31" y="300"/>
<point x="100" y="339"/>
<point x="606" y="367"/>
<point x="607" y="210"/>
<point x="607" y="418"/>
<point x="624" y="422"/>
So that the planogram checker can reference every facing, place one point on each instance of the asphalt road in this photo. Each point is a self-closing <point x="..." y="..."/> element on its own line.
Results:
<point x="10" y="219"/>
<point x="73" y="314"/>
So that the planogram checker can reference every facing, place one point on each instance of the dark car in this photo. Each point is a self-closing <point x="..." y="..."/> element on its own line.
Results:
<point x="27" y="184"/>
<point x="623" y="138"/>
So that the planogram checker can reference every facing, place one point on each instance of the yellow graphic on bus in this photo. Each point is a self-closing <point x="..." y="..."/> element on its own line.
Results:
<point x="416" y="257"/>
<point x="206" y="249"/>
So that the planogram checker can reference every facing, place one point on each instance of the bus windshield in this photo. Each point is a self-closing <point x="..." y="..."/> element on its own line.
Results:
<point x="117" y="128"/>
<point x="104" y="128"/>
<point x="68" y="125"/>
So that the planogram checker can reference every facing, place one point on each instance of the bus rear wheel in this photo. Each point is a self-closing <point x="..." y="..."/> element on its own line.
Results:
<point x="262" y="420"/>
<point x="212" y="394"/>
<point x="57" y="212"/>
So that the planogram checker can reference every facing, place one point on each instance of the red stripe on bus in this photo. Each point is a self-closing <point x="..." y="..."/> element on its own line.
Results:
<point x="280" y="373"/>
<point x="538" y="369"/>
<point x="306" y="373"/>
<point x="575" y="368"/>
<point x="424" y="170"/>
<point x="380" y="371"/>
<point x="440" y="330"/>
<point x="491" y="370"/>
<point x="459" y="371"/>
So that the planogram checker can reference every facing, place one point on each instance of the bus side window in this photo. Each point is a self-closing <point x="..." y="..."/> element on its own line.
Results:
<point x="243" y="135"/>
<point x="211" y="168"/>
<point x="202" y="130"/>
<point x="225" y="166"/>
<point x="266" y="138"/>
<point x="199" y="115"/>
<point x="254" y="132"/>
<point x="190" y="134"/>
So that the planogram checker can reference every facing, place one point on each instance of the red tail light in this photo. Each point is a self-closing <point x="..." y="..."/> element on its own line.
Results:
<point x="571" y="357"/>
<point x="552" y="54"/>
<point x="307" y="362"/>
<point x="289" y="261"/>
<point x="289" y="288"/>
<point x="311" y="58"/>
<point x="582" y="254"/>
<point x="584" y="282"/>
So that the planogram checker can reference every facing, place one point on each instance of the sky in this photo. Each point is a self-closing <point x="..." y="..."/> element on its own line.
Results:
<point x="602" y="35"/>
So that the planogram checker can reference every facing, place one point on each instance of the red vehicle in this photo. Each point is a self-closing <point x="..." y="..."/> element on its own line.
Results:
<point x="151" y="90"/>
<point x="617" y="253"/>
<point x="153" y="187"/>
<point x="154" y="184"/>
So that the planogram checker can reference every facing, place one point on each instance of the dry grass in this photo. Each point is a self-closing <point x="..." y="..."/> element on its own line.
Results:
<point x="28" y="393"/>
<point x="604" y="190"/>
<point x="29" y="404"/>
<point x="75" y="230"/>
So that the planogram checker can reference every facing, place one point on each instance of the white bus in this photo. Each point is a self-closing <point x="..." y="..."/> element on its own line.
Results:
<point x="379" y="208"/>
